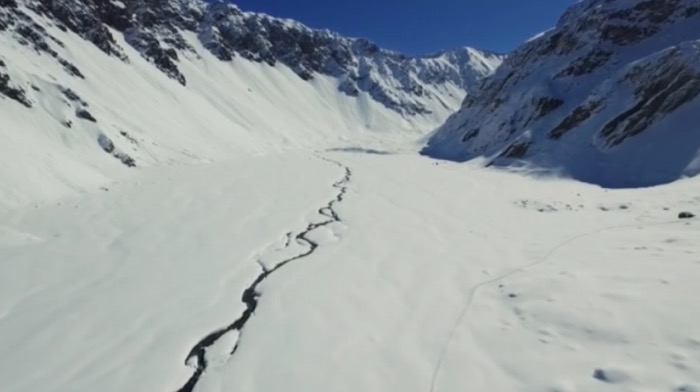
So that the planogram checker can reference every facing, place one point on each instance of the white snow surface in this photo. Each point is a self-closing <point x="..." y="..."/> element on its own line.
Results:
<point x="440" y="277"/>
<point x="227" y="109"/>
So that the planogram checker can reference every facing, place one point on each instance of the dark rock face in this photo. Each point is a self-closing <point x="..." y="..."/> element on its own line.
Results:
<point x="661" y="87"/>
<point x="16" y="93"/>
<point x="72" y="96"/>
<point x="686" y="215"/>
<point x="85" y="115"/>
<point x="155" y="28"/>
<point x="546" y="105"/>
<point x="13" y="92"/>
<point x="151" y="49"/>
<point x="363" y="66"/>
<point x="574" y="119"/>
<point x="29" y="33"/>
<point x="587" y="64"/>
<point x="108" y="146"/>
<point x="516" y="150"/>
<point x="84" y="18"/>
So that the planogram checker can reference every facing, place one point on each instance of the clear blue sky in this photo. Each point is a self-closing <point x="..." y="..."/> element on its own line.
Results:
<point x="423" y="26"/>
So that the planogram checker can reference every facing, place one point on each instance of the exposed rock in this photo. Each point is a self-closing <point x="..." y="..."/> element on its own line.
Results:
<point x="16" y="93"/>
<point x="470" y="135"/>
<point x="85" y="115"/>
<point x="106" y="143"/>
<point x="151" y="49"/>
<point x="125" y="159"/>
<point x="85" y="18"/>
<point x="587" y="64"/>
<point x="516" y="150"/>
<point x="544" y="106"/>
<point x="610" y="376"/>
<point x="108" y="146"/>
<point x="72" y="96"/>
<point x="155" y="28"/>
<point x="609" y="72"/>
<point x="574" y="119"/>
<point x="27" y="32"/>
<point x="662" y="85"/>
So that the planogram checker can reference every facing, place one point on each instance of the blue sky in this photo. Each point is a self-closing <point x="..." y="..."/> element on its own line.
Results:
<point x="423" y="26"/>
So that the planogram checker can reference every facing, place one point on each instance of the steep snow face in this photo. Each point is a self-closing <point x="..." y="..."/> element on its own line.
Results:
<point x="609" y="96"/>
<point x="89" y="89"/>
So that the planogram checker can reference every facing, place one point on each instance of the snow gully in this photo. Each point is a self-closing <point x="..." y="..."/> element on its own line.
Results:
<point x="197" y="357"/>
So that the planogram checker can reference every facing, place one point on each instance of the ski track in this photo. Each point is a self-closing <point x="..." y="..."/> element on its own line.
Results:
<point x="474" y="290"/>
<point x="251" y="297"/>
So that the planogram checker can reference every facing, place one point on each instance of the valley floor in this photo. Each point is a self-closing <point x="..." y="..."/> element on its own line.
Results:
<point x="436" y="277"/>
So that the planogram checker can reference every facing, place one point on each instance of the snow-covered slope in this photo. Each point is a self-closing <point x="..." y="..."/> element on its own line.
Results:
<point x="163" y="82"/>
<point x="609" y="96"/>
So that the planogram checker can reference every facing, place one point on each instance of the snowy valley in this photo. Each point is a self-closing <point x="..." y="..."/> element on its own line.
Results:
<point x="219" y="200"/>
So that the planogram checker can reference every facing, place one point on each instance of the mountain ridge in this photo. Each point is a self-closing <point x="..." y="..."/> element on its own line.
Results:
<point x="155" y="28"/>
<point x="589" y="98"/>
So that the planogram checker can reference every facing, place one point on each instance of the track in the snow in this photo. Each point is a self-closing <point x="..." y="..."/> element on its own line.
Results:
<point x="545" y="259"/>
<point x="198" y="355"/>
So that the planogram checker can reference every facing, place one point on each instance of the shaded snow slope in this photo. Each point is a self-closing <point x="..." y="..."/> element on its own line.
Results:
<point x="609" y="96"/>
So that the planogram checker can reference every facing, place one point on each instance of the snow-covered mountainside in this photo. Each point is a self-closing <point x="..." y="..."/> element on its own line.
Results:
<point x="181" y="81"/>
<point x="158" y="29"/>
<point x="145" y="286"/>
<point x="609" y="96"/>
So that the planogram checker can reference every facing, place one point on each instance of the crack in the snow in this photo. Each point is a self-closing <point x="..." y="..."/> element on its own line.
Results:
<point x="198" y="355"/>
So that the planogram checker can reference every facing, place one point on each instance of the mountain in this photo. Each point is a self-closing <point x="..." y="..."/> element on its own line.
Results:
<point x="153" y="82"/>
<point x="608" y="96"/>
<point x="159" y="29"/>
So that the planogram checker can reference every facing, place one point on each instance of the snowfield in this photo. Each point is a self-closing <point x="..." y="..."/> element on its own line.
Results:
<point x="435" y="276"/>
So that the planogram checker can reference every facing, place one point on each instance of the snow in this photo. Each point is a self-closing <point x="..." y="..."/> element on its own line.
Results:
<point x="429" y="276"/>
<point x="539" y="35"/>
<point x="435" y="275"/>
<point x="655" y="146"/>
<point x="128" y="279"/>
<point x="430" y="248"/>
<point x="227" y="109"/>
